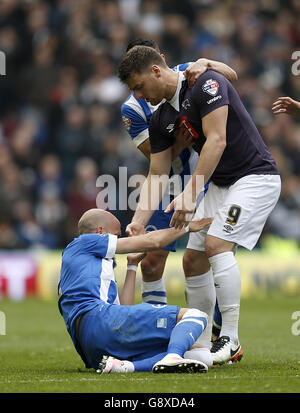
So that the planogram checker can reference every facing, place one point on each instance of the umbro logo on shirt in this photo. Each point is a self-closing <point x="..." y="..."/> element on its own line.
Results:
<point x="170" y="127"/>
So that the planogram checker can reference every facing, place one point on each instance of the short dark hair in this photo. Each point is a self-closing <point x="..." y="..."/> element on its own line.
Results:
<point x="143" y="42"/>
<point x="138" y="59"/>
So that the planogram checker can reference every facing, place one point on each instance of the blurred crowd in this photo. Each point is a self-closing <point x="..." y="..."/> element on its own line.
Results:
<point x="60" y="123"/>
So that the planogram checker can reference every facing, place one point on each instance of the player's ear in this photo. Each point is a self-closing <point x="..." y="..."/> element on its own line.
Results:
<point x="99" y="230"/>
<point x="156" y="70"/>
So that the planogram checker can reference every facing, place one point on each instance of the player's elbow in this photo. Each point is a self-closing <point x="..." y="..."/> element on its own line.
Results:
<point x="234" y="77"/>
<point x="219" y="141"/>
<point x="153" y="243"/>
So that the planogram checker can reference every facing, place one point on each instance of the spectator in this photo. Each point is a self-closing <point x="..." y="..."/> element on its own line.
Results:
<point x="60" y="101"/>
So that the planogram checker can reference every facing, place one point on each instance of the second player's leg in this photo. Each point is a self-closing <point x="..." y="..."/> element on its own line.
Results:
<point x="200" y="293"/>
<point x="152" y="267"/>
<point x="227" y="281"/>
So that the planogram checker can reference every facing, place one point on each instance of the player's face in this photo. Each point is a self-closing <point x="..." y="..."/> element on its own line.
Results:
<point x="147" y="85"/>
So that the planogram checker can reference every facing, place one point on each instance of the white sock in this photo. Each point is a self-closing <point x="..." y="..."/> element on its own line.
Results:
<point x="201" y="294"/>
<point x="154" y="292"/>
<point x="228" y="289"/>
<point x="201" y="354"/>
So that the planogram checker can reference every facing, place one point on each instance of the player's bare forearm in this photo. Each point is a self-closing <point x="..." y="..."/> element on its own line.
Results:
<point x="208" y="160"/>
<point x="156" y="239"/>
<point x="148" y="242"/>
<point x="127" y="295"/>
<point x="184" y="204"/>
<point x="214" y="129"/>
<point x="154" y="186"/>
<point x="196" y="69"/>
<point x="128" y="291"/>
<point x="145" y="148"/>
<point x="224" y="69"/>
<point x="146" y="206"/>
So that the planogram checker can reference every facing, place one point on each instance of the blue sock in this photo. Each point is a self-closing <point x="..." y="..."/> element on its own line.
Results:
<point x="187" y="331"/>
<point x="154" y="292"/>
<point x="217" y="316"/>
<point x="148" y="363"/>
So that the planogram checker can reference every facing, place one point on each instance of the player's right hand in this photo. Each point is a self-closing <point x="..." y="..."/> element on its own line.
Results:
<point x="134" y="228"/>
<point x="196" y="226"/>
<point x="195" y="70"/>
<point x="286" y="105"/>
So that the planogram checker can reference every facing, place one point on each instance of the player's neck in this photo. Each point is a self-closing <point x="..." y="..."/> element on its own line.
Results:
<point x="171" y="84"/>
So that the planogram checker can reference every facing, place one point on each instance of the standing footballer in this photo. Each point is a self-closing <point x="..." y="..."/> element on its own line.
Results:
<point x="245" y="182"/>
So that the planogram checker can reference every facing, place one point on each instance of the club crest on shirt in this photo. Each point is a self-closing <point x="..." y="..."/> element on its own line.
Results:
<point x="211" y="87"/>
<point x="186" y="104"/>
<point x="126" y="122"/>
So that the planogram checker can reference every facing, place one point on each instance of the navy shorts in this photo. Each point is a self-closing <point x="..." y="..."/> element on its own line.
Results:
<point x="126" y="332"/>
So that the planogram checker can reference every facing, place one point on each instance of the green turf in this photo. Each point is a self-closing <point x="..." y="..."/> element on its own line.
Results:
<point x="37" y="355"/>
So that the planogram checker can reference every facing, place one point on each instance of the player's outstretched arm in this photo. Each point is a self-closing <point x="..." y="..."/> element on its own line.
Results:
<point x="153" y="189"/>
<point x="157" y="239"/>
<point x="196" y="69"/>
<point x="286" y="105"/>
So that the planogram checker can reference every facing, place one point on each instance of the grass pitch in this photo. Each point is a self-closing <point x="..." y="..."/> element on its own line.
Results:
<point x="37" y="355"/>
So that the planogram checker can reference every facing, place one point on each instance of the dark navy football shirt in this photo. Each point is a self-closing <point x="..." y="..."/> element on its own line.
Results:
<point x="245" y="152"/>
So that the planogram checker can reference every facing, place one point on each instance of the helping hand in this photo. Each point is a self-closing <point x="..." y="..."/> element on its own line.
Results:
<point x="286" y="105"/>
<point x="184" y="208"/>
<point x="196" y="226"/>
<point x="135" y="228"/>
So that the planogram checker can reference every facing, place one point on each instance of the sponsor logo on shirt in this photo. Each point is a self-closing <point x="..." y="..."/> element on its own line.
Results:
<point x="211" y="87"/>
<point x="126" y="122"/>
<point x="213" y="99"/>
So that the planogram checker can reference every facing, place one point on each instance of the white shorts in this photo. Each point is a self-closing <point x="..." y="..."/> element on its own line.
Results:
<point x="239" y="211"/>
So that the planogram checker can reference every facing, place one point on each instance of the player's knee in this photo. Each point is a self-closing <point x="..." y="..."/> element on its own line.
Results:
<point x="192" y="313"/>
<point x="148" y="270"/>
<point x="214" y="246"/>
<point x="195" y="263"/>
<point x="152" y="267"/>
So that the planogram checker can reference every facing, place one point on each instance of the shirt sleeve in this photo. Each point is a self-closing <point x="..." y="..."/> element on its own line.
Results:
<point x="103" y="246"/>
<point x="159" y="141"/>
<point x="181" y="67"/>
<point x="210" y="92"/>
<point x="135" y="125"/>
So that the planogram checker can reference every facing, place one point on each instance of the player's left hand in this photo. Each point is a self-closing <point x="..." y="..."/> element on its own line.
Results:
<point x="183" y="138"/>
<point x="135" y="258"/>
<point x="184" y="209"/>
<point x="195" y="70"/>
